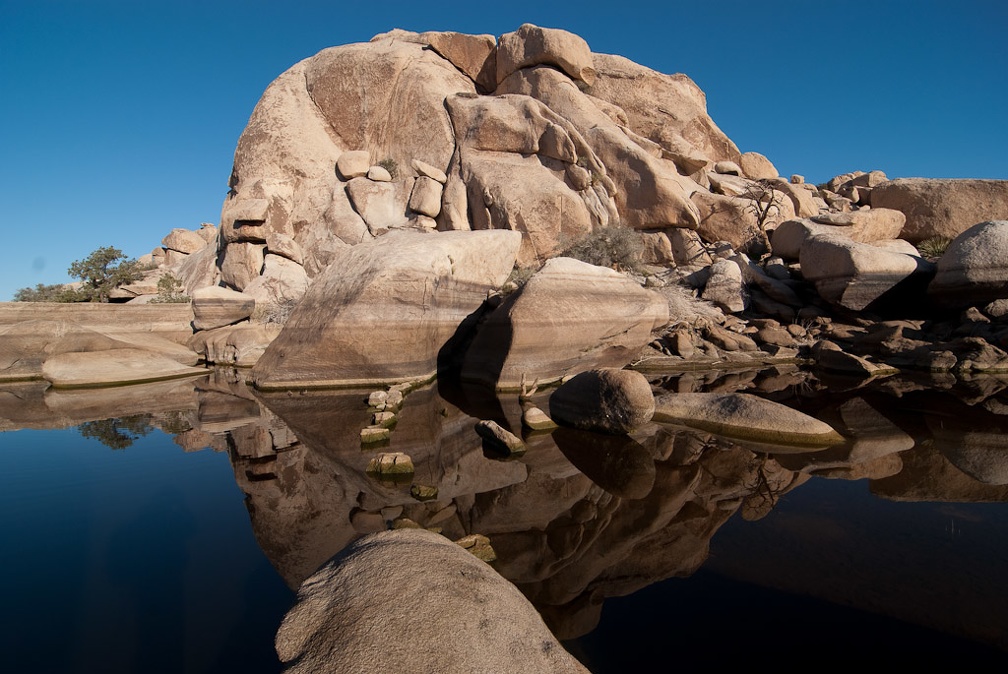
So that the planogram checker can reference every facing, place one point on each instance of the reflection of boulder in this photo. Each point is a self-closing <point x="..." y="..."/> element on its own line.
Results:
<point x="927" y="475"/>
<point x="974" y="442"/>
<point x="343" y="619"/>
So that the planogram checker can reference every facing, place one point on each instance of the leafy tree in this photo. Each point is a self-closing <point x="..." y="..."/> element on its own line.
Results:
<point x="117" y="433"/>
<point x="56" y="292"/>
<point x="102" y="271"/>
<point x="170" y="291"/>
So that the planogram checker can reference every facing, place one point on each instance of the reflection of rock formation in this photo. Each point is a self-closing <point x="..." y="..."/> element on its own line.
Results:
<point x="566" y="541"/>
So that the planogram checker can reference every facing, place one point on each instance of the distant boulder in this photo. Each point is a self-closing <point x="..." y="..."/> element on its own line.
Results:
<point x="942" y="208"/>
<point x="973" y="271"/>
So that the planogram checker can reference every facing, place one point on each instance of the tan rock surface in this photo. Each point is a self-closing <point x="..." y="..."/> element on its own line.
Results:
<point x="215" y="306"/>
<point x="568" y="318"/>
<point x="532" y="46"/>
<point x="935" y="207"/>
<point x="383" y="310"/>
<point x="113" y="366"/>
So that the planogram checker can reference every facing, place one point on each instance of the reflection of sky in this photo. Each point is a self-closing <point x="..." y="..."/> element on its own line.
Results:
<point x="139" y="559"/>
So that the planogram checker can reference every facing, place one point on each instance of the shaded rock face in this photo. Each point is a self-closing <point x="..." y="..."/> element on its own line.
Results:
<point x="607" y="400"/>
<point x="382" y="312"/>
<point x="342" y="620"/>
<point x="974" y="268"/>
<point x="947" y="208"/>
<point x="531" y="132"/>
<point x="570" y="317"/>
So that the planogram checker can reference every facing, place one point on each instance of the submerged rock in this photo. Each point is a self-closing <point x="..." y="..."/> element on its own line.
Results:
<point x="744" y="416"/>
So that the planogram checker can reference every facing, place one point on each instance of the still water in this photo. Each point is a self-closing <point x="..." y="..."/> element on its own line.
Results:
<point x="162" y="527"/>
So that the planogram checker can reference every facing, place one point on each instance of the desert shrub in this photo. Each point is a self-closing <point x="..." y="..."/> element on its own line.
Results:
<point x="391" y="166"/>
<point x="518" y="277"/>
<point x="170" y="291"/>
<point x="57" y="292"/>
<point x="103" y="271"/>
<point x="274" y="312"/>
<point x="934" y="246"/>
<point x="615" y="247"/>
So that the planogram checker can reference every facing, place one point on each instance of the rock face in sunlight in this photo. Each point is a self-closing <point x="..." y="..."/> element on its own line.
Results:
<point x="569" y="317"/>
<point x="411" y="600"/>
<point x="384" y="311"/>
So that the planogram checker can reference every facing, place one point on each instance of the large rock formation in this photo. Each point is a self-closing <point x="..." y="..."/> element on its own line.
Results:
<point x="532" y="132"/>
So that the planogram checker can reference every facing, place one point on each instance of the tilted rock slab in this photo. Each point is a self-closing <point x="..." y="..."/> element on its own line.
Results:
<point x="941" y="207"/>
<point x="744" y="416"/>
<point x="411" y="600"/>
<point x="383" y="311"/>
<point x="114" y="366"/>
<point x="974" y="268"/>
<point x="570" y="317"/>
<point x="215" y="307"/>
<point x="855" y="275"/>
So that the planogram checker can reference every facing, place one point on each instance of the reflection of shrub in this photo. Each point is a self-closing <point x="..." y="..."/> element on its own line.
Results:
<point x="934" y="247"/>
<point x="117" y="433"/>
<point x="616" y="247"/>
<point x="274" y="312"/>
<point x="391" y="166"/>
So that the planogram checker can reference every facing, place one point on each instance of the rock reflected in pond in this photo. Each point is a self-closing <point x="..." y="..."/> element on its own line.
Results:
<point x="617" y="463"/>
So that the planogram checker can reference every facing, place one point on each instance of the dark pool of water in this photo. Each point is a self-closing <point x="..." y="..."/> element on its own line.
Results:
<point x="168" y="539"/>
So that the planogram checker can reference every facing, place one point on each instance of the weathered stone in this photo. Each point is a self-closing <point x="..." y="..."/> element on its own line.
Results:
<point x="531" y="46"/>
<point x="866" y="224"/>
<point x="390" y="464"/>
<point x="946" y="208"/>
<point x="973" y="271"/>
<point x="728" y="168"/>
<point x="424" y="169"/>
<point x="426" y="197"/>
<point x="687" y="247"/>
<point x="383" y="311"/>
<point x="735" y="219"/>
<point x="499" y="440"/>
<point x="536" y="420"/>
<point x="113" y="366"/>
<point x="606" y="400"/>
<point x="756" y="166"/>
<point x="382" y="205"/>
<point x="855" y="275"/>
<point x="235" y="345"/>
<point x="724" y="287"/>
<point x="214" y="307"/>
<point x="241" y="264"/>
<point x="379" y="174"/>
<point x="569" y="317"/>
<point x="184" y="241"/>
<point x="199" y="270"/>
<point x="479" y="546"/>
<point x="353" y="164"/>
<point x="283" y="281"/>
<point x="830" y="357"/>
<point x="744" y="416"/>
<point x="374" y="434"/>
<point x="340" y="610"/>
<point x="284" y="246"/>
<point x="474" y="55"/>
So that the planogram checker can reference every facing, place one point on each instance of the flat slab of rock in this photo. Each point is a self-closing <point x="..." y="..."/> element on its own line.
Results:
<point x="215" y="307"/>
<point x="746" y="417"/>
<point x="382" y="311"/>
<point x="115" y="366"/>
<point x="570" y="317"/>
<point x="412" y="601"/>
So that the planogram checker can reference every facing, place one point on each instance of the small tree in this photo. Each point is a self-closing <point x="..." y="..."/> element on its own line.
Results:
<point x="170" y="291"/>
<point x="102" y="271"/>
<point x="764" y="202"/>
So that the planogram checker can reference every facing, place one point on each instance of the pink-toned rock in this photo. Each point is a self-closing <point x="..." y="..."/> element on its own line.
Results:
<point x="531" y="46"/>
<point x="945" y="208"/>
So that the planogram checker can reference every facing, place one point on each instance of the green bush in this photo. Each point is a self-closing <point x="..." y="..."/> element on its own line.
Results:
<point x="170" y="291"/>
<point x="391" y="166"/>
<point x="57" y="292"/>
<point x="615" y="247"/>
<point x="934" y="247"/>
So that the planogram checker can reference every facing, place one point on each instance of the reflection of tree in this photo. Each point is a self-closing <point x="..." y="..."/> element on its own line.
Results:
<point x="766" y="484"/>
<point x="117" y="433"/>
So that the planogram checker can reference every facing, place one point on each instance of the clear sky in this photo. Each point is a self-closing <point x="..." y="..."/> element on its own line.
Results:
<point x="119" y="118"/>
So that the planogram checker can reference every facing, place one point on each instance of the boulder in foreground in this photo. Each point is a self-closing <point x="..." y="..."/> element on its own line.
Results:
<point x="412" y="601"/>
<point x="607" y="400"/>
<point x="111" y="367"/>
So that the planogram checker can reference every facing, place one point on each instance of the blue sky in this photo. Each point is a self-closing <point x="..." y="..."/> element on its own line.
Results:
<point x="119" y="118"/>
